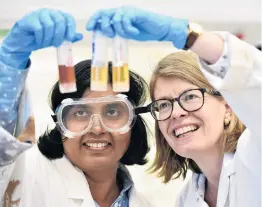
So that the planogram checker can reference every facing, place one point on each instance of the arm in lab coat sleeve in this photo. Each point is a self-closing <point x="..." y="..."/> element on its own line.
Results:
<point x="241" y="84"/>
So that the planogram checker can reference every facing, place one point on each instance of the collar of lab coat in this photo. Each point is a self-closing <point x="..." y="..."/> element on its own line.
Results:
<point x="75" y="182"/>
<point x="228" y="169"/>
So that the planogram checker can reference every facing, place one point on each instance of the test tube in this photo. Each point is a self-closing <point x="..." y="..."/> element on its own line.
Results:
<point x="120" y="65"/>
<point x="67" y="80"/>
<point x="99" y="69"/>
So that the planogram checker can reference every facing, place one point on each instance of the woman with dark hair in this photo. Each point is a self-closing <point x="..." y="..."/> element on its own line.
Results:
<point x="92" y="162"/>
<point x="81" y="162"/>
<point x="50" y="144"/>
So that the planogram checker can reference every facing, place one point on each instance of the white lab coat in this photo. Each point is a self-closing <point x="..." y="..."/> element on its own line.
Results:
<point x="35" y="181"/>
<point x="240" y="179"/>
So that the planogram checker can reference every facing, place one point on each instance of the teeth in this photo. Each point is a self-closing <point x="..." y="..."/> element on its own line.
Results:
<point x="185" y="129"/>
<point x="96" y="145"/>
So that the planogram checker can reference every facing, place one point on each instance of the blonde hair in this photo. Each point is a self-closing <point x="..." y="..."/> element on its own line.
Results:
<point x="185" y="66"/>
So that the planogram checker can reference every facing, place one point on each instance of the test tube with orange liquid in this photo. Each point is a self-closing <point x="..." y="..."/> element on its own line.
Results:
<point x="67" y="80"/>
<point x="120" y="65"/>
<point x="99" y="68"/>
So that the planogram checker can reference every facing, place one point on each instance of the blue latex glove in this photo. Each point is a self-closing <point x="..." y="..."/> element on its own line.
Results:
<point x="137" y="24"/>
<point x="39" y="29"/>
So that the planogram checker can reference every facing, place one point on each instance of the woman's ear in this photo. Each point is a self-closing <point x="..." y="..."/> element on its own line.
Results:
<point x="228" y="115"/>
<point x="227" y="107"/>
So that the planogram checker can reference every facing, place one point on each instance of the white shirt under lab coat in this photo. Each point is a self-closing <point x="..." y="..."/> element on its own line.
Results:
<point x="240" y="80"/>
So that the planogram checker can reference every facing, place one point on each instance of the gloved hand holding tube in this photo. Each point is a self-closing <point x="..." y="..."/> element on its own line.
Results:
<point x="40" y="29"/>
<point x="138" y="24"/>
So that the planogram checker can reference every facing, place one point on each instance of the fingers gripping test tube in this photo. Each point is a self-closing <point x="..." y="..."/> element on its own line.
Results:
<point x="67" y="80"/>
<point x="99" y="69"/>
<point x="120" y="65"/>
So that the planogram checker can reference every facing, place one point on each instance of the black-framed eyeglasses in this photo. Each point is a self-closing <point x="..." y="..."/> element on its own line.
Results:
<point x="190" y="100"/>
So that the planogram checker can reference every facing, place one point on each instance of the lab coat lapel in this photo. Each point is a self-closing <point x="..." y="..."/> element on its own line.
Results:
<point x="228" y="169"/>
<point x="75" y="182"/>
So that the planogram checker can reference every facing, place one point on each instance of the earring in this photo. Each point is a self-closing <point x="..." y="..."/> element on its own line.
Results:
<point x="227" y="119"/>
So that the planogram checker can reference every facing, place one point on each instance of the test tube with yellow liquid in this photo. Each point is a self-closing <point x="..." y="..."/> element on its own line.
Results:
<point x="120" y="71"/>
<point x="99" y="69"/>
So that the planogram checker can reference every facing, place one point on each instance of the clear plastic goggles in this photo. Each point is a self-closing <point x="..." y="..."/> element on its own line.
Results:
<point x="76" y="117"/>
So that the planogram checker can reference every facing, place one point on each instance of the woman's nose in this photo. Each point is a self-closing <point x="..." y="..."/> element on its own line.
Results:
<point x="96" y="125"/>
<point x="178" y="111"/>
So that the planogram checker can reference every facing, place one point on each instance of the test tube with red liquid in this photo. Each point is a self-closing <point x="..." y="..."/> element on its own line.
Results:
<point x="67" y="80"/>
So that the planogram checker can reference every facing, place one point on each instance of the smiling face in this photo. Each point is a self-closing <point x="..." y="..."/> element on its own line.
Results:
<point x="190" y="133"/>
<point x="97" y="149"/>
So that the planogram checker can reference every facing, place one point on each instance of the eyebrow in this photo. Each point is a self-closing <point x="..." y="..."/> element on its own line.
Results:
<point x="171" y="97"/>
<point x="82" y="106"/>
<point x="89" y="107"/>
<point x="115" y="105"/>
<point x="164" y="97"/>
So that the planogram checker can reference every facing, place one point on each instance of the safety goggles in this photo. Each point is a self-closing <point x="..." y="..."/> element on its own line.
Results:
<point x="76" y="117"/>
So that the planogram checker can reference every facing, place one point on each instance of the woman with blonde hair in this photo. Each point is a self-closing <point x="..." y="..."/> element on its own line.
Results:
<point x="185" y="67"/>
<point x="193" y="105"/>
<point x="195" y="129"/>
